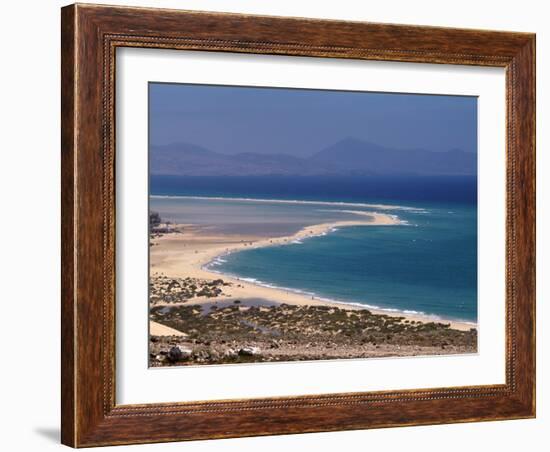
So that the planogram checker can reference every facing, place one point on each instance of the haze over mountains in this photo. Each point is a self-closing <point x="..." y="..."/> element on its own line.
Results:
<point x="346" y="157"/>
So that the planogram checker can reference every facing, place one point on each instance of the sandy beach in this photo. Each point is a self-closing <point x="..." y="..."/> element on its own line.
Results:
<point x="157" y="329"/>
<point x="184" y="255"/>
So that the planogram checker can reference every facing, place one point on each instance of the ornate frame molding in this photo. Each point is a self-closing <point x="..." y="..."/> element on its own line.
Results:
<point x="90" y="37"/>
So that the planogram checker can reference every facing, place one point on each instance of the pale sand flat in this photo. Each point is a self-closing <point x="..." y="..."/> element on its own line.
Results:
<point x="156" y="329"/>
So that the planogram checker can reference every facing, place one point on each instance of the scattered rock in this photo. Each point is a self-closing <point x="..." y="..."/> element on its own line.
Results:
<point x="237" y="332"/>
<point x="230" y="353"/>
<point x="202" y="354"/>
<point x="178" y="353"/>
<point x="249" y="351"/>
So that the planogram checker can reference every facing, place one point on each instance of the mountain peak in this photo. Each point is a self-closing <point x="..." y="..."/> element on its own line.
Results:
<point x="349" y="156"/>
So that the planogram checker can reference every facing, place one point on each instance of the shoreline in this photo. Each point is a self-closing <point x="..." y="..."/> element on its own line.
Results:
<point x="190" y="253"/>
<point x="295" y="201"/>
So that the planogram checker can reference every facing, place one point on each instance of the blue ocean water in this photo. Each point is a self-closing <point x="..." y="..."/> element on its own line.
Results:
<point x="428" y="264"/>
<point x="403" y="189"/>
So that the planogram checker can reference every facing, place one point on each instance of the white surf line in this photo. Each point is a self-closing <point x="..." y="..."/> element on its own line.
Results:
<point x="291" y="201"/>
<point x="376" y="309"/>
<point x="304" y="234"/>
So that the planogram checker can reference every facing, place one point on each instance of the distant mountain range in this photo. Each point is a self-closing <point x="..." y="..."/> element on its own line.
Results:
<point x="346" y="157"/>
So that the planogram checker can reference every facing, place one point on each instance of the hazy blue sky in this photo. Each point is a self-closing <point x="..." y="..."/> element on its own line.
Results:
<point x="301" y="122"/>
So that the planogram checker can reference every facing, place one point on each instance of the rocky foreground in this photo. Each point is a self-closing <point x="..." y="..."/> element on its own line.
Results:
<point x="247" y="331"/>
<point x="165" y="290"/>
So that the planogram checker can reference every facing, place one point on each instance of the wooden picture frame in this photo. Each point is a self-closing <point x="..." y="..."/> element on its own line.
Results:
<point x="90" y="36"/>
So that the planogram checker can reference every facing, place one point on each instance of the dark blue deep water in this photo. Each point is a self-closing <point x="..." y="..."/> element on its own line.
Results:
<point x="428" y="264"/>
<point x="411" y="189"/>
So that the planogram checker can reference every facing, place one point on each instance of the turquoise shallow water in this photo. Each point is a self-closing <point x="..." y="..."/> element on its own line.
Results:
<point x="427" y="265"/>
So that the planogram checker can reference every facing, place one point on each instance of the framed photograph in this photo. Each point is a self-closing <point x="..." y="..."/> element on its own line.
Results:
<point x="282" y="225"/>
